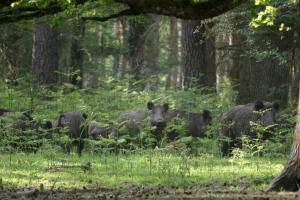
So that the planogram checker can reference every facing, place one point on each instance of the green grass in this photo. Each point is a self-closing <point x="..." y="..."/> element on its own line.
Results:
<point x="143" y="167"/>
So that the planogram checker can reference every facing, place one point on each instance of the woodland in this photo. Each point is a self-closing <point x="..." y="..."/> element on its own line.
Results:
<point x="149" y="99"/>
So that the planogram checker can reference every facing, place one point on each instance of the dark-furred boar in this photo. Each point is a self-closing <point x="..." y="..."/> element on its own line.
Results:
<point x="133" y="119"/>
<point x="96" y="132"/>
<point x="236" y="122"/>
<point x="196" y="122"/>
<point x="22" y="131"/>
<point x="75" y="123"/>
<point x="160" y="115"/>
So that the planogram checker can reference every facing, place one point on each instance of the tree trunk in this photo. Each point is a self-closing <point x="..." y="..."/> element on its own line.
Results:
<point x="236" y="41"/>
<point x="45" y="54"/>
<point x="77" y="53"/>
<point x="198" y="55"/>
<point x="124" y="56"/>
<point x="289" y="178"/>
<point x="294" y="60"/>
<point x="152" y="50"/>
<point x="173" y="61"/>
<point x="118" y="32"/>
<point x="136" y="41"/>
<point x="263" y="80"/>
<point x="10" y="53"/>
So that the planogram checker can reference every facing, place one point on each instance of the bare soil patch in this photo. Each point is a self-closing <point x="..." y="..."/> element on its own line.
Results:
<point x="236" y="189"/>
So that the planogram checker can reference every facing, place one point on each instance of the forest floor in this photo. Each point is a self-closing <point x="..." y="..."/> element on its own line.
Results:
<point x="209" y="191"/>
<point x="151" y="174"/>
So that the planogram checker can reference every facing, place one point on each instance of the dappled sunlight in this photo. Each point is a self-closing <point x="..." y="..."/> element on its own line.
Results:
<point x="147" y="168"/>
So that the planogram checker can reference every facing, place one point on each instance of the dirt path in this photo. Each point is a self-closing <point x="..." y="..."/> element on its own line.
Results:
<point x="141" y="192"/>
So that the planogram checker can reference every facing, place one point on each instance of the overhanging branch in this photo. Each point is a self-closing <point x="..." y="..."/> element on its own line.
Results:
<point x="14" y="11"/>
<point x="5" y="3"/>
<point x="185" y="9"/>
<point x="127" y="12"/>
<point x="26" y="13"/>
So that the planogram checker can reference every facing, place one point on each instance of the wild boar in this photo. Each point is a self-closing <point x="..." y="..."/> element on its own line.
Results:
<point x="237" y="122"/>
<point x="75" y="123"/>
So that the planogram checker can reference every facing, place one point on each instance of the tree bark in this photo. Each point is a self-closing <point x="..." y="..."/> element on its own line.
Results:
<point x="234" y="72"/>
<point x="45" y="54"/>
<point x="263" y="80"/>
<point x="228" y="58"/>
<point x="173" y="61"/>
<point x="289" y="178"/>
<point x="152" y="50"/>
<point x="10" y="51"/>
<point x="136" y="43"/>
<point x="152" y="42"/>
<point x="77" y="53"/>
<point x="124" y="55"/>
<point x="198" y="55"/>
<point x="118" y="32"/>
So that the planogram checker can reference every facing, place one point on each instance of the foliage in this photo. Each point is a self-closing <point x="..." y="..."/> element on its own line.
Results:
<point x="105" y="104"/>
<point x="271" y="30"/>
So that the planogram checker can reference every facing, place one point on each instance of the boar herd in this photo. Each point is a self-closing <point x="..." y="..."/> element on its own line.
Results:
<point x="235" y="123"/>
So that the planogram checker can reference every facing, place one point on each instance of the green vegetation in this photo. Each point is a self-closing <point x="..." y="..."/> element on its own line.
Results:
<point x="159" y="166"/>
<point x="230" y="81"/>
<point x="115" y="161"/>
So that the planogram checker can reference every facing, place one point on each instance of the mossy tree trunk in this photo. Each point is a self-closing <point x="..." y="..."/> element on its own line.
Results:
<point x="136" y="48"/>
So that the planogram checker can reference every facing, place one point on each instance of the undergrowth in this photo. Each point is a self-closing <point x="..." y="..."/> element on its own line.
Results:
<point x="114" y="161"/>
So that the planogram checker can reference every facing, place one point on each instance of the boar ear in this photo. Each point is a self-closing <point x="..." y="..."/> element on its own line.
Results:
<point x="259" y="105"/>
<point x="166" y="107"/>
<point x="206" y="114"/>
<point x="84" y="115"/>
<point x="276" y="105"/>
<point x="150" y="105"/>
<point x="28" y="115"/>
<point x="62" y="115"/>
<point x="48" y="125"/>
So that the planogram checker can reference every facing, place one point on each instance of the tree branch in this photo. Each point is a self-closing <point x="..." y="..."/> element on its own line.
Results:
<point x="23" y="13"/>
<point x="185" y="9"/>
<point x="5" y="3"/>
<point x="126" y="12"/>
<point x="18" y="10"/>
